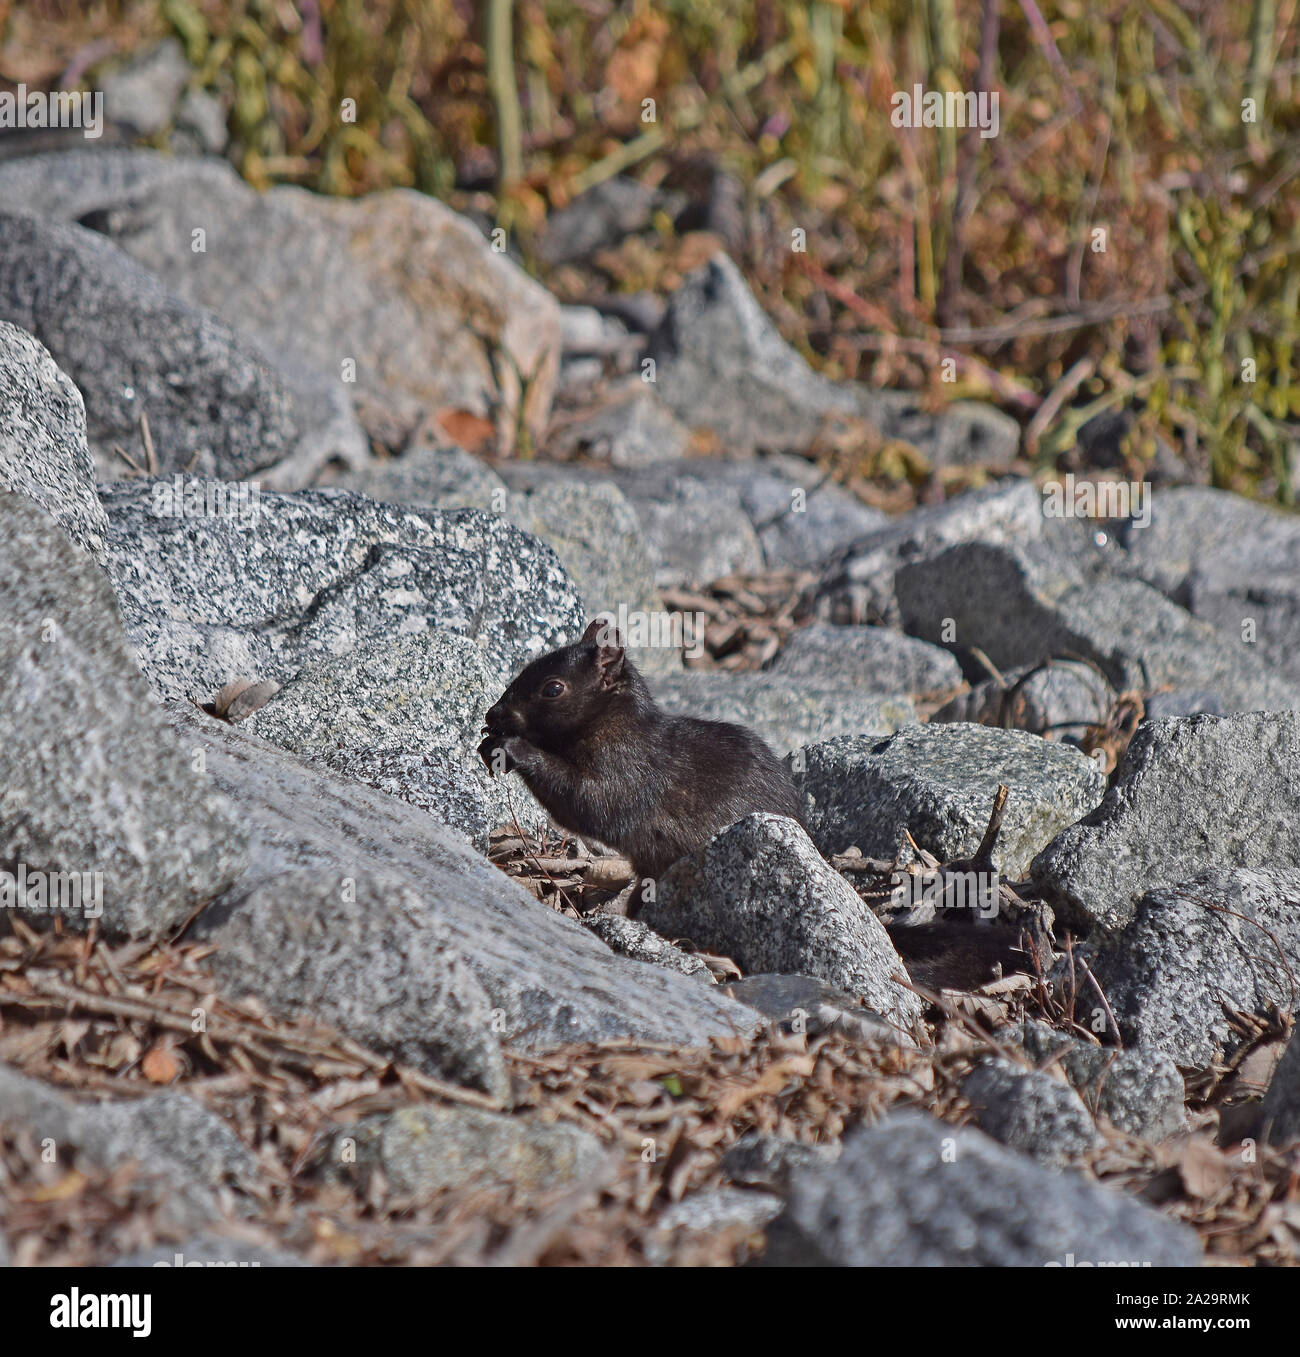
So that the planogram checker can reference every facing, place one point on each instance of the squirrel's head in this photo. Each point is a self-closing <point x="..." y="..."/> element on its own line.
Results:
<point x="557" y="697"/>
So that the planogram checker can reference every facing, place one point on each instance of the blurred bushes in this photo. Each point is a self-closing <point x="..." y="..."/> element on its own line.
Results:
<point x="1118" y="116"/>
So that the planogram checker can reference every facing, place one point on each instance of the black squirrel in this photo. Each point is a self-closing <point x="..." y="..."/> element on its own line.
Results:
<point x="608" y="763"/>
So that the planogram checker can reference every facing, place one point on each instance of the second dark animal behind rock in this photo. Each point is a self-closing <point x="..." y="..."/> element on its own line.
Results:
<point x="606" y="762"/>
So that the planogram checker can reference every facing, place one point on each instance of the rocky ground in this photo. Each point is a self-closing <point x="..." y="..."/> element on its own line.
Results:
<point x="290" y="488"/>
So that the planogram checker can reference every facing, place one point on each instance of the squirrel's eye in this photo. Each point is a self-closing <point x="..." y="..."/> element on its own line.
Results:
<point x="553" y="688"/>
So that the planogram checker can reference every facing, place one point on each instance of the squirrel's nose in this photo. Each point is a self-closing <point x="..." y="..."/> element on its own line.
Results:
<point x="500" y="717"/>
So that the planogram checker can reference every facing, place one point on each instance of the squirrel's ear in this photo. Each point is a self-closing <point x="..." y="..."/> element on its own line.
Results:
<point x="603" y="630"/>
<point x="609" y="663"/>
<point x="603" y="634"/>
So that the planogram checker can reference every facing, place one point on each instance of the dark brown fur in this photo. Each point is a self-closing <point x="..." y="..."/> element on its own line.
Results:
<point x="609" y="764"/>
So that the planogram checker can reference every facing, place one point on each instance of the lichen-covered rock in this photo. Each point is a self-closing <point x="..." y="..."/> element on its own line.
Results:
<point x="1138" y="1091"/>
<point x="43" y="452"/>
<point x="1031" y="1111"/>
<point x="858" y="584"/>
<point x="1193" y="794"/>
<point x="548" y="981"/>
<point x="873" y="659"/>
<point x="395" y="283"/>
<point x="787" y="712"/>
<point x="632" y="938"/>
<point x="257" y="593"/>
<point x="91" y="779"/>
<point x="1024" y="603"/>
<point x="722" y="365"/>
<point x="1225" y="937"/>
<point x="214" y="401"/>
<point x="914" y="1192"/>
<point x="938" y="783"/>
<point x="759" y="893"/>
<point x="430" y="1148"/>
<point x="359" y="950"/>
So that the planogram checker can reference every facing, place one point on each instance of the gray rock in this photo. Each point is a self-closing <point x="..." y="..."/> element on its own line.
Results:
<point x="1138" y="1091"/>
<point x="786" y="712"/>
<point x="550" y="981"/>
<point x="91" y="779"/>
<point x="43" y="452"/>
<point x="427" y="1149"/>
<point x="811" y="1006"/>
<point x="40" y="1110"/>
<point x="1023" y="604"/>
<point x="143" y="93"/>
<point x="200" y="125"/>
<point x="871" y="658"/>
<point x="362" y="951"/>
<point x="172" y="1135"/>
<point x="710" y="1212"/>
<point x="404" y="717"/>
<point x="1030" y="1111"/>
<point x="1183" y="956"/>
<point x="214" y="401"/>
<point x="1059" y="699"/>
<point x="1166" y="817"/>
<point x="1281" y="1110"/>
<point x="598" y="538"/>
<point x="695" y="533"/>
<point x="722" y="365"/>
<point x="966" y="433"/>
<point x="382" y="282"/>
<point x="799" y="518"/>
<point x="590" y="526"/>
<point x="428" y="477"/>
<point x="444" y="783"/>
<point x="938" y="782"/>
<point x="425" y="691"/>
<point x="760" y="1160"/>
<point x="705" y="517"/>
<point x="914" y="1192"/>
<point x="1183" y="702"/>
<point x="256" y="595"/>
<point x="600" y="217"/>
<point x="634" y="428"/>
<point x="759" y="893"/>
<point x="169" y="1135"/>
<point x="858" y="583"/>
<point x="632" y="938"/>
<point x="1230" y="561"/>
<point x="211" y="1250"/>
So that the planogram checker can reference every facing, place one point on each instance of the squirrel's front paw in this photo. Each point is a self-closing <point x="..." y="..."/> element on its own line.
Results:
<point x="502" y="753"/>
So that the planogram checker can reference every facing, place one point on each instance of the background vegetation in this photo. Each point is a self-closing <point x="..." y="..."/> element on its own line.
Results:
<point x="1122" y="114"/>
